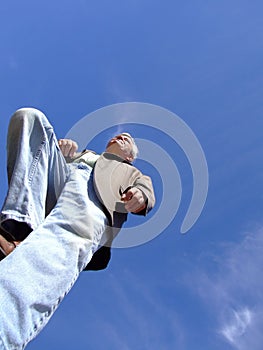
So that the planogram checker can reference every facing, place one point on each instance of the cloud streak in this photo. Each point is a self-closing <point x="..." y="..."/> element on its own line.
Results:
<point x="232" y="291"/>
<point x="154" y="323"/>
<point x="237" y="325"/>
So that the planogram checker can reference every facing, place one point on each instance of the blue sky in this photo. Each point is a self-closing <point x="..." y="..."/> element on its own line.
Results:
<point x="202" y="60"/>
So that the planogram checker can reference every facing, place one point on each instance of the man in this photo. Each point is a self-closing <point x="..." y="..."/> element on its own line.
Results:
<point x="60" y="216"/>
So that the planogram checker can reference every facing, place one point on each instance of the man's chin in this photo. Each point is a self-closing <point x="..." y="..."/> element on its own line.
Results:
<point x="112" y="142"/>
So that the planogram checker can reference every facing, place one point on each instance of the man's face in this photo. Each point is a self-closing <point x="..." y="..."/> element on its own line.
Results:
<point x="122" y="146"/>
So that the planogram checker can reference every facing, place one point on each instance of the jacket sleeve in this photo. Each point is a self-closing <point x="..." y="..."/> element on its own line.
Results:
<point x="144" y="183"/>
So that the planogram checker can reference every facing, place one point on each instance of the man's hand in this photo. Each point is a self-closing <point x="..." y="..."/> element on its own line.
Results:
<point x="134" y="200"/>
<point x="68" y="147"/>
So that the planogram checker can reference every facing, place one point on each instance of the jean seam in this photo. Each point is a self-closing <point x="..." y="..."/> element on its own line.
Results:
<point x="35" y="162"/>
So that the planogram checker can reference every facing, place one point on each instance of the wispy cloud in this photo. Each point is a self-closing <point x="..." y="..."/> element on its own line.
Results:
<point x="237" y="325"/>
<point x="232" y="291"/>
<point x="156" y="325"/>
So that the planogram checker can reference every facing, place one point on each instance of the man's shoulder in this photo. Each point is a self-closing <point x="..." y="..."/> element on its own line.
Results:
<point x="112" y="160"/>
<point x="113" y="157"/>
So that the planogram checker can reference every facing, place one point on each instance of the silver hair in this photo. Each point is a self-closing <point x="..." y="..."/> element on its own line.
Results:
<point x="134" y="151"/>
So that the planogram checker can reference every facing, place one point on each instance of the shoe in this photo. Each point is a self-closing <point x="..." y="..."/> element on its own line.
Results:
<point x="6" y="247"/>
<point x="8" y="236"/>
<point x="2" y="254"/>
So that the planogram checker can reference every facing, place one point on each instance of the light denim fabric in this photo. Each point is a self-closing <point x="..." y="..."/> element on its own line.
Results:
<point x="36" y="276"/>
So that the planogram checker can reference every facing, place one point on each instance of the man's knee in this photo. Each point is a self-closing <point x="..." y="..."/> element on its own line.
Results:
<point x="30" y="115"/>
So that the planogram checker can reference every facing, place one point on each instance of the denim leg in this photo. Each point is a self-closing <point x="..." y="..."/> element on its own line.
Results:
<point x="36" y="170"/>
<point x="36" y="276"/>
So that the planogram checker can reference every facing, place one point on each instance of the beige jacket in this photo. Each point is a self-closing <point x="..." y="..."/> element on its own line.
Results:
<point x="112" y="177"/>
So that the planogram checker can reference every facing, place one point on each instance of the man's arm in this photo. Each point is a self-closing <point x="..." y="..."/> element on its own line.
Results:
<point x="139" y="198"/>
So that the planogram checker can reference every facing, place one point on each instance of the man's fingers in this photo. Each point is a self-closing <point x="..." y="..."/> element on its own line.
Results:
<point x="134" y="200"/>
<point x="135" y="205"/>
<point x="67" y="147"/>
<point x="127" y="196"/>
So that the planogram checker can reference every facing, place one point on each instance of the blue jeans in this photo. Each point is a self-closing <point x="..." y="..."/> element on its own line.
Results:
<point x="57" y="202"/>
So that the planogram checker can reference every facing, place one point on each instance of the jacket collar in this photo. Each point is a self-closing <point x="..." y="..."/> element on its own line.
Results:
<point x="112" y="156"/>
